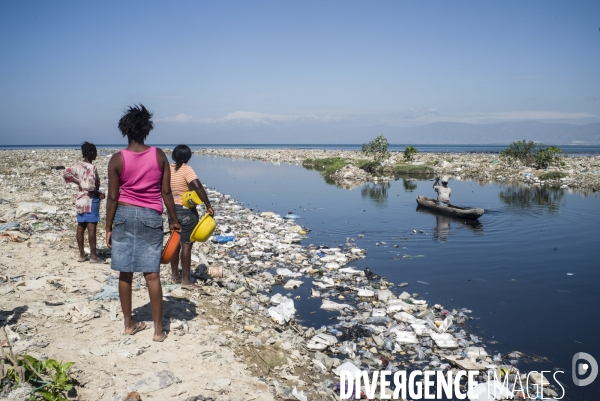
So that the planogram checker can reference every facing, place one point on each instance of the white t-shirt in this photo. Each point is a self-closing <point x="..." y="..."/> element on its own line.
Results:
<point x="443" y="193"/>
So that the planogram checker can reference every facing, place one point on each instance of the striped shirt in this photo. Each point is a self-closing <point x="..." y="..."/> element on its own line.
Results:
<point x="180" y="181"/>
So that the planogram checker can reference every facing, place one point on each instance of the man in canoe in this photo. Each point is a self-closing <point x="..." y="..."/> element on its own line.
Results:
<point x="443" y="191"/>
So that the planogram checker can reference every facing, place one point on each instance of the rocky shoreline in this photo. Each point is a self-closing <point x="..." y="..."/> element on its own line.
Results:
<point x="237" y="337"/>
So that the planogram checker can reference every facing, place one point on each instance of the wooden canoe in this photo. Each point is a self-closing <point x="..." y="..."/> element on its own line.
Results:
<point x="463" y="212"/>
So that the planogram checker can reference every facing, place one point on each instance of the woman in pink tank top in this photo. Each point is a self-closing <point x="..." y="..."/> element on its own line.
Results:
<point x="138" y="184"/>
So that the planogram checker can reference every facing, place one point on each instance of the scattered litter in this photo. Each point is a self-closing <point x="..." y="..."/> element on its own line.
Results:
<point x="283" y="312"/>
<point x="330" y="305"/>
<point x="34" y="207"/>
<point x="291" y="216"/>
<point x="9" y="225"/>
<point x="445" y="340"/>
<point x="321" y="342"/>
<point x="155" y="382"/>
<point x="107" y="292"/>
<point x="77" y="313"/>
<point x="222" y="239"/>
<point x="285" y="272"/>
<point x="299" y="395"/>
<point x="292" y="284"/>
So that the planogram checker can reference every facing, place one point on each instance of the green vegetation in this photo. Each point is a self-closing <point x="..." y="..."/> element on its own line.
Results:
<point x="412" y="169"/>
<point x="377" y="149"/>
<point x="48" y="376"/>
<point x="547" y="156"/>
<point x="553" y="175"/>
<point x="522" y="151"/>
<point x="326" y="166"/>
<point x="370" y="166"/>
<point x="409" y="153"/>
<point x="527" y="152"/>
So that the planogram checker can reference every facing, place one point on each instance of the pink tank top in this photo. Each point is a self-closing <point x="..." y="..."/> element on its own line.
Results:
<point x="141" y="179"/>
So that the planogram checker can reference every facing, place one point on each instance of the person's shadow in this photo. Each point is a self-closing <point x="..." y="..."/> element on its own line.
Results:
<point x="173" y="308"/>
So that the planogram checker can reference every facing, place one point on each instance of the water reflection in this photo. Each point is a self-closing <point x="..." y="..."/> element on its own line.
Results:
<point x="409" y="184"/>
<point x="443" y="224"/>
<point x="378" y="192"/>
<point x="534" y="197"/>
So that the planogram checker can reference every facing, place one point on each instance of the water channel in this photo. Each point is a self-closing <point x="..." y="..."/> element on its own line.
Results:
<point x="527" y="269"/>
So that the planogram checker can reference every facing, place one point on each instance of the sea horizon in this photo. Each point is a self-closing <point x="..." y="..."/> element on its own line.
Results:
<point x="580" y="150"/>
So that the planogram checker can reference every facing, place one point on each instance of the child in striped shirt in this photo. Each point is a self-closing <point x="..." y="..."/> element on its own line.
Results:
<point x="183" y="179"/>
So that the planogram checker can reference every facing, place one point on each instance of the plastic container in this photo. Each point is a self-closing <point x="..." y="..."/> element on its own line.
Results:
<point x="190" y="199"/>
<point x="204" y="229"/>
<point x="170" y="247"/>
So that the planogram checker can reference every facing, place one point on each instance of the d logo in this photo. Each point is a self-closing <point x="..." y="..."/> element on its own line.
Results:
<point x="583" y="368"/>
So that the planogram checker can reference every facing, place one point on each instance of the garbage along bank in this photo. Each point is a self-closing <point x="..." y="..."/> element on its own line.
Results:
<point x="237" y="338"/>
<point x="582" y="172"/>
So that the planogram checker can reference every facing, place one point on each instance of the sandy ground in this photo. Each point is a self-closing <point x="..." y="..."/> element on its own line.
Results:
<point x="107" y="362"/>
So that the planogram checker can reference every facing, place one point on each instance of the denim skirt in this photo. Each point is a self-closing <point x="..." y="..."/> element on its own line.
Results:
<point x="137" y="240"/>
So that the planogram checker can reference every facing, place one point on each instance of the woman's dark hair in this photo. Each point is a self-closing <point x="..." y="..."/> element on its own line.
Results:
<point x="88" y="150"/>
<point x="181" y="154"/>
<point x="136" y="123"/>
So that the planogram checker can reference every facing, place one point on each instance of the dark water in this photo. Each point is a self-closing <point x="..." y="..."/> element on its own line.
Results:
<point x="529" y="270"/>
<point x="576" y="150"/>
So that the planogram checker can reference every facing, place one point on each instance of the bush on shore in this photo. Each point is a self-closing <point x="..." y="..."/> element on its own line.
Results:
<point x="409" y="153"/>
<point x="377" y="149"/>
<point x="530" y="153"/>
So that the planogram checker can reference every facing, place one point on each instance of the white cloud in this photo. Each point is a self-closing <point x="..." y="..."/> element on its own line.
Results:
<point x="251" y="117"/>
<point x="179" y="118"/>
<point x="260" y="118"/>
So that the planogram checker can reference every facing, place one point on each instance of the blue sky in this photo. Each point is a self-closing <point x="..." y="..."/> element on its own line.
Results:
<point x="256" y="71"/>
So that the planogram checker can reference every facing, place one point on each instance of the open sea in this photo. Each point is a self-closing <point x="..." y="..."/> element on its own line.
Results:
<point x="528" y="269"/>
<point x="578" y="150"/>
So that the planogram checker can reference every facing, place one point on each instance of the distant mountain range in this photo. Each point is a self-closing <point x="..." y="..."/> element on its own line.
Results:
<point x="340" y="132"/>
<point x="433" y="133"/>
<point x="500" y="133"/>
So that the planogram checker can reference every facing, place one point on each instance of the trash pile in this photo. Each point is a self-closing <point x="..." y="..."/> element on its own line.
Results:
<point x="351" y="176"/>
<point x="35" y="202"/>
<point x="578" y="171"/>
